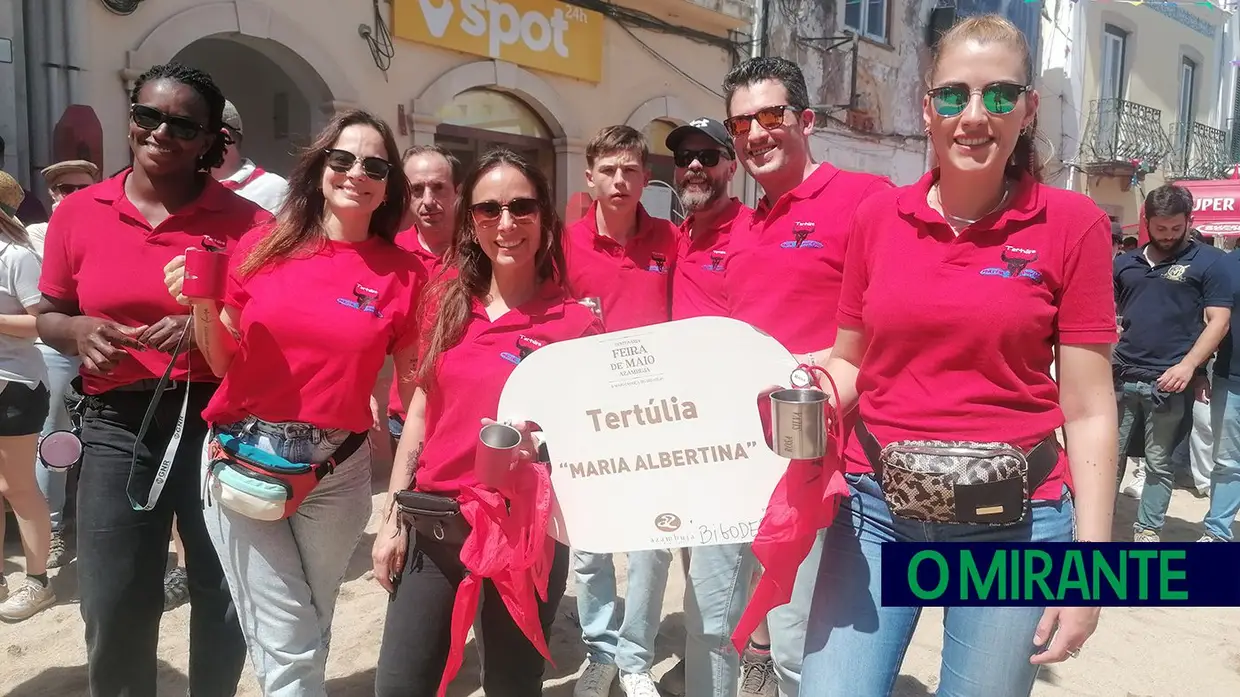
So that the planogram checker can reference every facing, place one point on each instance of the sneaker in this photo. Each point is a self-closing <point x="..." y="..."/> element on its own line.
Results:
<point x="57" y="553"/>
<point x="672" y="683"/>
<point x="638" y="685"/>
<point x="758" y="677"/>
<point x="30" y="598"/>
<point x="1208" y="538"/>
<point x="4" y="589"/>
<point x="596" y="680"/>
<point x="1145" y="536"/>
<point x="176" y="589"/>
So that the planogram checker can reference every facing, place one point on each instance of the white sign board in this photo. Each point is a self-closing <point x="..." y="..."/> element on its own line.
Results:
<point x="654" y="433"/>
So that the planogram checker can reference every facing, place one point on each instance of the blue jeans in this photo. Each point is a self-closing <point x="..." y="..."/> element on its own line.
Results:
<point x="855" y="645"/>
<point x="714" y="601"/>
<point x="1225" y="478"/>
<point x="625" y="637"/>
<point x="285" y="575"/>
<point x="61" y="370"/>
<point x="1163" y="419"/>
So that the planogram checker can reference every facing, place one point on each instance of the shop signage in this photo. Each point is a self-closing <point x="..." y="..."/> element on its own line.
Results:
<point x="541" y="34"/>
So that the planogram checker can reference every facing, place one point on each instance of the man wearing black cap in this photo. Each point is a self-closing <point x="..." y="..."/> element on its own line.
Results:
<point x="718" y="576"/>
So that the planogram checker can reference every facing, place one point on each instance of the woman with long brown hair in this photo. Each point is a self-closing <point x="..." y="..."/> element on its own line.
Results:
<point x="959" y="291"/>
<point x="313" y="305"/>
<point x="502" y="297"/>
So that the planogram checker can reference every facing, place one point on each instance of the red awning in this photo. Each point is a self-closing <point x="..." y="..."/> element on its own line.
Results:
<point x="1216" y="206"/>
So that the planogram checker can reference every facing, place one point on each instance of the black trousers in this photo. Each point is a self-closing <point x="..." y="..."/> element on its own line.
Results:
<point x="417" y="633"/>
<point x="122" y="553"/>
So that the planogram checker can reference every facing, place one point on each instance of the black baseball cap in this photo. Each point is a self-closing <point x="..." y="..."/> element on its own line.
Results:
<point x="708" y="127"/>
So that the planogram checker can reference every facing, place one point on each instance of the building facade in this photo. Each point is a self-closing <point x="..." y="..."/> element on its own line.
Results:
<point x="1134" y="96"/>
<point x="538" y="76"/>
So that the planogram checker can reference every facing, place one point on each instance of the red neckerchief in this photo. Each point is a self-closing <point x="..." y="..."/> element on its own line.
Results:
<point x="804" y="502"/>
<point x="235" y="185"/>
<point x="508" y="544"/>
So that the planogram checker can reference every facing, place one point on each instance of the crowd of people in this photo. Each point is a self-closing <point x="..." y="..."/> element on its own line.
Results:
<point x="240" y="420"/>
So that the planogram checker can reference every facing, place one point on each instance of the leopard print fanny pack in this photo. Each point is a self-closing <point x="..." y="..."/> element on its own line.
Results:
<point x="986" y="483"/>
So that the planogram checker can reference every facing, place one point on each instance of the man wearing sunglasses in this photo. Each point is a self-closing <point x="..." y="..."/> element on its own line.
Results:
<point x="783" y="272"/>
<point x="63" y="178"/>
<point x="240" y="174"/>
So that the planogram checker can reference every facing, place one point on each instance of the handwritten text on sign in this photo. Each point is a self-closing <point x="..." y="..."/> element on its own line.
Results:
<point x="654" y="434"/>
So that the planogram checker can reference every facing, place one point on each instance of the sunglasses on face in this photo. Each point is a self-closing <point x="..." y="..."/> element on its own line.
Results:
<point x="768" y="118"/>
<point x="342" y="161"/>
<point x="522" y="210"/>
<point x="998" y="98"/>
<point x="66" y="189"/>
<point x="708" y="158"/>
<point x="150" y="119"/>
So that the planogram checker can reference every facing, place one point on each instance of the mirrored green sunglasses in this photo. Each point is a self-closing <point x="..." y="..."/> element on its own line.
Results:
<point x="998" y="97"/>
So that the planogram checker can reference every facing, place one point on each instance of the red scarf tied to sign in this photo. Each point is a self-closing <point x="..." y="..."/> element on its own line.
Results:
<point x="509" y="545"/>
<point x="804" y="501"/>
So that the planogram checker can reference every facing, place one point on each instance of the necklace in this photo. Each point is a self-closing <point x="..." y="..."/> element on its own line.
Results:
<point x="958" y="223"/>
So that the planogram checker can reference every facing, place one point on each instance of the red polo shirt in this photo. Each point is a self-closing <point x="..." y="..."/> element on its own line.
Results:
<point x="315" y="329"/>
<point x="408" y="239"/>
<point x="102" y="254"/>
<point x="633" y="281"/>
<point x="783" y="274"/>
<point x="470" y="376"/>
<point x="697" y="280"/>
<point x="961" y="330"/>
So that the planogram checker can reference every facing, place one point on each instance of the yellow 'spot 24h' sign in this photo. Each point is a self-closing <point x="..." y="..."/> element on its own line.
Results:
<point x="540" y="34"/>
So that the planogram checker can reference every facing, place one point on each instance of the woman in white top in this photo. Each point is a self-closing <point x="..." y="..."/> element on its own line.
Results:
<point x="23" y="407"/>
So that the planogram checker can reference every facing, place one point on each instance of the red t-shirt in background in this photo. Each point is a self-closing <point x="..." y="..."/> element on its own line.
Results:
<point x="697" y="281"/>
<point x="633" y="282"/>
<point x="783" y="273"/>
<point x="470" y="376"/>
<point x="315" y="329"/>
<point x="408" y="239"/>
<point x="102" y="254"/>
<point x="961" y="330"/>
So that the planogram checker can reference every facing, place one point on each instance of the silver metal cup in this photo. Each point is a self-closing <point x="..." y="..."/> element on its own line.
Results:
<point x="595" y="305"/>
<point x="798" y="424"/>
<point x="496" y="443"/>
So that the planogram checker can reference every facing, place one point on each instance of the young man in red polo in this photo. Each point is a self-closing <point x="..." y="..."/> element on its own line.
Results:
<point x="623" y="257"/>
<point x="783" y="272"/>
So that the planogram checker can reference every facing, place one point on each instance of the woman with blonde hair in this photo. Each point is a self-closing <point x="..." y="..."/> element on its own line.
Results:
<point x="958" y="293"/>
<point x="23" y="407"/>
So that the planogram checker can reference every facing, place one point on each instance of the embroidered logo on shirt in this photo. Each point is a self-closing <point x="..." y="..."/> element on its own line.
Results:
<point x="525" y="346"/>
<point x="658" y="263"/>
<point x="801" y="230"/>
<point x="716" y="260"/>
<point x="1176" y="273"/>
<point x="1016" y="262"/>
<point x="364" y="300"/>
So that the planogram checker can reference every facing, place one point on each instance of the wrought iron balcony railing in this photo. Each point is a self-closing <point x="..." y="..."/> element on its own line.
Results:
<point x="1233" y="141"/>
<point x="1120" y="132"/>
<point x="1198" y="151"/>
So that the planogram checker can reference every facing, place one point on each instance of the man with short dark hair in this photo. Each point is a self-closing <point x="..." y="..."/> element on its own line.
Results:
<point x="783" y="275"/>
<point x="1163" y="290"/>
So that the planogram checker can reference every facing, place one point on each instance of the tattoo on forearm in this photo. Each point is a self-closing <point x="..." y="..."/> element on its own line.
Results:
<point x="411" y="462"/>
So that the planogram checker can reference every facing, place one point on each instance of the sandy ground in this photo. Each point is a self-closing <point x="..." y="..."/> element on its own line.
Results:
<point x="1135" y="653"/>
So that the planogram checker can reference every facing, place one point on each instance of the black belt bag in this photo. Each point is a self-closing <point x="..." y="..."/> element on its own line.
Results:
<point x="433" y="516"/>
<point x="959" y="481"/>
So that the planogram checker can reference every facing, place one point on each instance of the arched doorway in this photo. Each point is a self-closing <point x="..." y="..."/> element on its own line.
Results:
<point x="478" y="120"/>
<point x="662" y="166"/>
<point x="276" y="112"/>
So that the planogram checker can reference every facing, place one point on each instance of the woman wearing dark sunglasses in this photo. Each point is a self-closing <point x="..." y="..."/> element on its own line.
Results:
<point x="958" y="293"/>
<point x="505" y="299"/>
<point x="106" y="303"/>
<point x="314" y="304"/>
